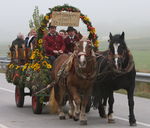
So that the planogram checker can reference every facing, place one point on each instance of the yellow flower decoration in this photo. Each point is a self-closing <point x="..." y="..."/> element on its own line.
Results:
<point x="47" y="18"/>
<point x="44" y="63"/>
<point x="96" y="43"/>
<point x="40" y="41"/>
<point x="24" y="67"/>
<point x="86" y="18"/>
<point x="11" y="66"/>
<point x="17" y="67"/>
<point x="49" y="66"/>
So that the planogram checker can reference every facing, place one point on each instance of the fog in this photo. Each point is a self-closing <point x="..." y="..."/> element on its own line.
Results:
<point x="130" y="16"/>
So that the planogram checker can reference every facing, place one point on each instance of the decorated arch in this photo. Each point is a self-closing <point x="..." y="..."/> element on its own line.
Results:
<point x="92" y="32"/>
<point x="39" y="60"/>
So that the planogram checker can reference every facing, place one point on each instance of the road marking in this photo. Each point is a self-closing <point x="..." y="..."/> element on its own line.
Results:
<point x="3" y="126"/>
<point x="140" y="123"/>
<point x="7" y="90"/>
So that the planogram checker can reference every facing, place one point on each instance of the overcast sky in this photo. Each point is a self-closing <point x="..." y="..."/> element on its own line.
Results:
<point x="131" y="16"/>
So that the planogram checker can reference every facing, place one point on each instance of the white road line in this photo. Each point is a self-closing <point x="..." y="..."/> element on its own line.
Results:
<point x="7" y="90"/>
<point x="140" y="123"/>
<point x="3" y="126"/>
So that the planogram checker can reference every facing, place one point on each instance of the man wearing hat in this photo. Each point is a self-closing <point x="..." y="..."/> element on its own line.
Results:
<point x="70" y="40"/>
<point x="53" y="44"/>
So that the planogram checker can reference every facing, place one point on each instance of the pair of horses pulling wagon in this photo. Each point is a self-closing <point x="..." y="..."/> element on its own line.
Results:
<point x="86" y="77"/>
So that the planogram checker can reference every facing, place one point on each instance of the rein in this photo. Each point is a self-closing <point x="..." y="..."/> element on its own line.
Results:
<point x="111" y="68"/>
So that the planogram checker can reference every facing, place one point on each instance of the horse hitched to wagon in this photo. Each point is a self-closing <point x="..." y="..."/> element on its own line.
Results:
<point x="36" y="71"/>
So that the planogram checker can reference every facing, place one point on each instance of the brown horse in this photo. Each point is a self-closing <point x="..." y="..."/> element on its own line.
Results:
<point x="76" y="75"/>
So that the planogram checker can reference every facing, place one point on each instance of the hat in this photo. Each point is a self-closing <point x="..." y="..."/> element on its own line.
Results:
<point x="70" y="29"/>
<point x="51" y="26"/>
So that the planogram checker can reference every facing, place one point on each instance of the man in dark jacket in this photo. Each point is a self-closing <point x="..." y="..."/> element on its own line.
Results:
<point x="53" y="44"/>
<point x="18" y="42"/>
<point x="70" y="40"/>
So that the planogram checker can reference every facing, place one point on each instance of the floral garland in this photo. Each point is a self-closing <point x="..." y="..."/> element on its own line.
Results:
<point x="92" y="32"/>
<point x="39" y="60"/>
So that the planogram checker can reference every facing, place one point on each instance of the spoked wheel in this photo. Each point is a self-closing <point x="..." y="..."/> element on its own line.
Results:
<point x="36" y="105"/>
<point x="19" y="96"/>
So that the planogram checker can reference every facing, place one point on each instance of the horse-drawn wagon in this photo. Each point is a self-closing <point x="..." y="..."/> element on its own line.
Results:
<point x="31" y="68"/>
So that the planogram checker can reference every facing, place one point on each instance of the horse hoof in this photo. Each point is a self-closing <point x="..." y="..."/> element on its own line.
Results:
<point x="83" y="122"/>
<point x="62" y="117"/>
<point x="103" y="116"/>
<point x="70" y="116"/>
<point x="75" y="118"/>
<point x="133" y="124"/>
<point x="111" y="120"/>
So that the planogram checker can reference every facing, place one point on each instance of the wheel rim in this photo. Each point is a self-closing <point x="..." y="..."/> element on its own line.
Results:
<point x="17" y="95"/>
<point x="34" y="102"/>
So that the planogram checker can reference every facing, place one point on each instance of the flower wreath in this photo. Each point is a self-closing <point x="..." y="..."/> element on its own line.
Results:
<point x="41" y="61"/>
<point x="92" y="32"/>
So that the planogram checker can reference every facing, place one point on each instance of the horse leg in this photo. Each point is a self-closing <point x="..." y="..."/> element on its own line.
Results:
<point x="59" y="96"/>
<point x="85" y="100"/>
<point x="71" y="109"/>
<point x="76" y="102"/>
<point x="132" y="119"/>
<point x="110" y="109"/>
<point x="102" y="107"/>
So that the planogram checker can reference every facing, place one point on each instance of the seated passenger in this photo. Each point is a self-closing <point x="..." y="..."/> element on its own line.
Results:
<point x="63" y="33"/>
<point x="53" y="44"/>
<point x="70" y="40"/>
<point x="30" y="39"/>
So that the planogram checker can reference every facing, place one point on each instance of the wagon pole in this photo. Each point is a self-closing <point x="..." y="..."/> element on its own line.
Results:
<point x="47" y="87"/>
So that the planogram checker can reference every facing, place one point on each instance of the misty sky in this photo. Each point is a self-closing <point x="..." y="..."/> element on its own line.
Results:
<point x="131" y="16"/>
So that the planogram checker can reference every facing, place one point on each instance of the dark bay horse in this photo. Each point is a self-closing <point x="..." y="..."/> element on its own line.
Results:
<point x="77" y="73"/>
<point x="116" y="70"/>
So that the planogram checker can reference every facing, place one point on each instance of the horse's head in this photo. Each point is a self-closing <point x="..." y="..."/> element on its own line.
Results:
<point x="118" y="49"/>
<point x="83" y="51"/>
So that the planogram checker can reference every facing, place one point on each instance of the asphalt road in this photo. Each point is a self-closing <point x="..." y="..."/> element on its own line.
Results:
<point x="13" y="117"/>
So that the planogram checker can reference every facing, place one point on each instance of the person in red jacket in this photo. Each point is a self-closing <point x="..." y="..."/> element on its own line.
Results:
<point x="53" y="44"/>
<point x="70" y="40"/>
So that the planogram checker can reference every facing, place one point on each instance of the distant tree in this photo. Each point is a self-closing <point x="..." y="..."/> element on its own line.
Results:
<point x="36" y="19"/>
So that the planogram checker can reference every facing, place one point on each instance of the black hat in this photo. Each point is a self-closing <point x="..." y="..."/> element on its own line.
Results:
<point x="70" y="29"/>
<point x="51" y="26"/>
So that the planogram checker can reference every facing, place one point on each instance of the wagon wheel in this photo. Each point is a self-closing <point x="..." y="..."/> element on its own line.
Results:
<point x="19" y="96"/>
<point x="36" y="105"/>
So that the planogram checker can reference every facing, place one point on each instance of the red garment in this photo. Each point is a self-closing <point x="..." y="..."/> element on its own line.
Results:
<point x="54" y="42"/>
<point x="70" y="43"/>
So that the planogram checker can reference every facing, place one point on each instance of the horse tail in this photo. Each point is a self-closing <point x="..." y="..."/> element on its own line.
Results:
<point x="53" y="106"/>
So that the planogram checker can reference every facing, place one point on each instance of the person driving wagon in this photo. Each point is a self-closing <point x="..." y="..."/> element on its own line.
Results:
<point x="53" y="44"/>
<point x="70" y="40"/>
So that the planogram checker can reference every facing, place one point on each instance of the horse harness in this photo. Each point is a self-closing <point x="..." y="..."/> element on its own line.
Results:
<point x="116" y="73"/>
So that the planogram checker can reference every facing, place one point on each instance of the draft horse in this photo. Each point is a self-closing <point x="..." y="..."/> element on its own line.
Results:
<point x="77" y="73"/>
<point x="116" y="70"/>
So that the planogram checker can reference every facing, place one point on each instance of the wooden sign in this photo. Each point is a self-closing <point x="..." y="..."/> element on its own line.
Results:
<point x="65" y="18"/>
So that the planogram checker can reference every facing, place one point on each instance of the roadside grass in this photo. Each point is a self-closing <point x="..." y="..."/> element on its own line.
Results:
<point x="2" y="71"/>
<point x="141" y="90"/>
